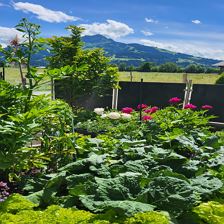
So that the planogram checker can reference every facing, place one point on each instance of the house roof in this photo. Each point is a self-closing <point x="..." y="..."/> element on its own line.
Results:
<point x="220" y="64"/>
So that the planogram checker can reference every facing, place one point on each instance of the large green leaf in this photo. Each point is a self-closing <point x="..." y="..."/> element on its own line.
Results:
<point x="122" y="208"/>
<point x="124" y="187"/>
<point x="171" y="194"/>
<point x="206" y="185"/>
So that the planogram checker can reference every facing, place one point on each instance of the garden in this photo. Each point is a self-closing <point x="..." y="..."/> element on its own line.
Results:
<point x="63" y="164"/>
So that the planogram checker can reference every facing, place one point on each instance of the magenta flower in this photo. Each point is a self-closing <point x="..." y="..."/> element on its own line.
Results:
<point x="174" y="100"/>
<point x="151" y="110"/>
<point x="127" y="110"/>
<point x="190" y="106"/>
<point x="146" y="118"/>
<point x="143" y="106"/>
<point x="207" y="107"/>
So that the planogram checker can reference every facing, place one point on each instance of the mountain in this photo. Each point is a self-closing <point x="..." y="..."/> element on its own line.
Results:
<point x="130" y="54"/>
<point x="135" y="54"/>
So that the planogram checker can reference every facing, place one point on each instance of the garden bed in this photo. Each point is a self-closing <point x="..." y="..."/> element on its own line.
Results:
<point x="115" y="168"/>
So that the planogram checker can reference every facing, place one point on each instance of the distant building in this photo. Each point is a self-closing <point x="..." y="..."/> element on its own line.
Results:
<point x="221" y="66"/>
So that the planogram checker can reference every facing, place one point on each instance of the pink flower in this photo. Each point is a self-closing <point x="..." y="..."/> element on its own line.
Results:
<point x="174" y="100"/>
<point x="146" y="118"/>
<point x="151" y="110"/>
<point x="127" y="110"/>
<point x="207" y="107"/>
<point x="190" y="106"/>
<point x="143" y="106"/>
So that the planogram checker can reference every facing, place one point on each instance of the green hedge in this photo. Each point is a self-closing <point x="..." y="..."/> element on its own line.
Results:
<point x="220" y="80"/>
<point x="17" y="209"/>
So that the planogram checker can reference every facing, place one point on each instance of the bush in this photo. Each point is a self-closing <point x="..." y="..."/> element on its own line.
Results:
<point x="211" y="212"/>
<point x="148" y="217"/>
<point x="17" y="209"/>
<point x="220" y="80"/>
<point x="16" y="203"/>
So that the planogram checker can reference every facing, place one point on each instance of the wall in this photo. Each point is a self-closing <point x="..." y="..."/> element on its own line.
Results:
<point x="155" y="94"/>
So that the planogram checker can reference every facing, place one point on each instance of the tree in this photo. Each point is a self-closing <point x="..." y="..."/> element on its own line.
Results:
<point x="88" y="70"/>
<point x="131" y="68"/>
<point x="122" y="67"/>
<point x="65" y="49"/>
<point x="194" y="68"/>
<point x="168" y="67"/>
<point x="21" y="52"/>
<point x="146" y="67"/>
<point x="212" y="70"/>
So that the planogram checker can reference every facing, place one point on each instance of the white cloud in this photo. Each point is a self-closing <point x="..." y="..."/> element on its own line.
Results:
<point x="150" y="20"/>
<point x="196" y="21"/>
<point x="110" y="28"/>
<point x="200" y="49"/>
<point x="147" y="33"/>
<point x="7" y="34"/>
<point x="44" y="13"/>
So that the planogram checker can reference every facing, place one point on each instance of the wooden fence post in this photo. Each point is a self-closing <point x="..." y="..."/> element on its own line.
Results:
<point x="115" y="99"/>
<point x="131" y="75"/>
<point x="185" y="78"/>
<point x="140" y="100"/>
<point x="188" y="92"/>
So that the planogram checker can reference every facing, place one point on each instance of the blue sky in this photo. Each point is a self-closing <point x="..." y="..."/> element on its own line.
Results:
<point x="187" y="26"/>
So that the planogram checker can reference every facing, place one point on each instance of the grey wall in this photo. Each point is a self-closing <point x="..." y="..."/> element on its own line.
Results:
<point x="155" y="94"/>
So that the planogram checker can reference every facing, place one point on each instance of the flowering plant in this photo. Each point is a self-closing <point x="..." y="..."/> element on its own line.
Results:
<point x="174" y="100"/>
<point x="142" y="106"/>
<point x="126" y="116"/>
<point x="190" y="106"/>
<point x="99" y="111"/>
<point x="146" y="118"/>
<point x="151" y="110"/>
<point x="207" y="107"/>
<point x="114" y="115"/>
<point x="127" y="110"/>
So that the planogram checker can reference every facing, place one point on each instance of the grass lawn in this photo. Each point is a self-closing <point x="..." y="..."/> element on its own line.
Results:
<point x="13" y="76"/>
<point x="169" y="77"/>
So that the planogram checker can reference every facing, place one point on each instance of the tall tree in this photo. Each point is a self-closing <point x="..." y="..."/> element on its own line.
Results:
<point x="65" y="49"/>
<point x="89" y="70"/>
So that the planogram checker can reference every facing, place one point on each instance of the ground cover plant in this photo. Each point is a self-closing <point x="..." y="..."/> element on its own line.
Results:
<point x="170" y="161"/>
<point x="60" y="164"/>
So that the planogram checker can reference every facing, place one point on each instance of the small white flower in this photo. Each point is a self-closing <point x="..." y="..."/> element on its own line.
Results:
<point x="114" y="115"/>
<point x="99" y="111"/>
<point x="126" y="116"/>
<point x="103" y="116"/>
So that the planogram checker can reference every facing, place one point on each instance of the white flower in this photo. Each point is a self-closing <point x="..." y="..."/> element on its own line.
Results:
<point x="114" y="115"/>
<point x="103" y="116"/>
<point x="99" y="111"/>
<point x="126" y="116"/>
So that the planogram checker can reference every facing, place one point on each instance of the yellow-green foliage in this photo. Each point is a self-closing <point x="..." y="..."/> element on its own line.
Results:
<point x="53" y="214"/>
<point x="17" y="209"/>
<point x="15" y="203"/>
<point x="211" y="212"/>
<point x="148" y="217"/>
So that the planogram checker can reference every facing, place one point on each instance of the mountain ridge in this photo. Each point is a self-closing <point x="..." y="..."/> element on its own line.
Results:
<point x="135" y="54"/>
<point x="131" y="54"/>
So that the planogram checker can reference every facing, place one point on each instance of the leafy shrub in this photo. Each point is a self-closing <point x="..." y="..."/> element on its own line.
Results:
<point x="135" y="178"/>
<point x="16" y="209"/>
<point x="16" y="203"/>
<point x="220" y="80"/>
<point x="148" y="217"/>
<point x="45" y="121"/>
<point x="211" y="212"/>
